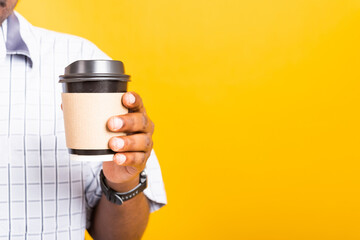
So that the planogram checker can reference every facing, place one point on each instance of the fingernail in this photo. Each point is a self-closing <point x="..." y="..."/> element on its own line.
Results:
<point x="120" y="158"/>
<point x="119" y="143"/>
<point x="130" y="98"/>
<point x="116" y="123"/>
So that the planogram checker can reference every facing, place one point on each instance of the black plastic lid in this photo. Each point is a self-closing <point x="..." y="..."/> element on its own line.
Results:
<point x="94" y="70"/>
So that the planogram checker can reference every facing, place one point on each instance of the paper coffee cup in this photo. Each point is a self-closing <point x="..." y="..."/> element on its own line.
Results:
<point x="92" y="92"/>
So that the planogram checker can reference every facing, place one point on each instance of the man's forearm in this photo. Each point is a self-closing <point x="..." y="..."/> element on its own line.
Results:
<point x="127" y="221"/>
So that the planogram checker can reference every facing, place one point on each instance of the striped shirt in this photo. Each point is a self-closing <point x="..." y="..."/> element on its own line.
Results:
<point x="43" y="195"/>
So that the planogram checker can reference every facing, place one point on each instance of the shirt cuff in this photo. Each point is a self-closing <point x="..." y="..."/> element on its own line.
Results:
<point x="155" y="192"/>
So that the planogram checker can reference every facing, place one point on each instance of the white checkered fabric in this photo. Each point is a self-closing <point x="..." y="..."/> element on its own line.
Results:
<point x="42" y="194"/>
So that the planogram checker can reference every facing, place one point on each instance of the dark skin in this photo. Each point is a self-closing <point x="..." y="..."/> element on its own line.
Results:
<point x="6" y="8"/>
<point x="128" y="221"/>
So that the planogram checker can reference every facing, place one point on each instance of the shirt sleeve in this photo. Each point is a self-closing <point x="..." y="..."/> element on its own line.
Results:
<point x="155" y="191"/>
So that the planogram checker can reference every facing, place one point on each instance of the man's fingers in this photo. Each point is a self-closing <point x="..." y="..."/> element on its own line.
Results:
<point x="134" y="143"/>
<point x="131" y="159"/>
<point x="131" y="122"/>
<point x="133" y="102"/>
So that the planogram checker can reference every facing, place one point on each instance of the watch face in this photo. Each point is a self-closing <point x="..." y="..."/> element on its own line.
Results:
<point x="116" y="199"/>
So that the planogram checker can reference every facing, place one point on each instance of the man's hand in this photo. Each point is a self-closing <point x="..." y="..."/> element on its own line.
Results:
<point x="129" y="220"/>
<point x="133" y="150"/>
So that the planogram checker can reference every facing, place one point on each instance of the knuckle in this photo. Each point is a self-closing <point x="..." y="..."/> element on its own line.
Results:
<point x="148" y="141"/>
<point x="130" y="157"/>
<point x="130" y="142"/>
<point x="142" y="157"/>
<point x="152" y="126"/>
<point x="130" y="122"/>
<point x="144" y="122"/>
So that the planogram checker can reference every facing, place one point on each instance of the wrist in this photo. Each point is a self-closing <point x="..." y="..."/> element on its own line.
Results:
<point x="125" y="186"/>
<point x="119" y="192"/>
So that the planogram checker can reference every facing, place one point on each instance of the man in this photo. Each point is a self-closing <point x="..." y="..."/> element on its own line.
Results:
<point x="43" y="195"/>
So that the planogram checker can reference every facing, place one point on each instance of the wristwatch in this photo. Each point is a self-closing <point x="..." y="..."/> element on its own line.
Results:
<point x="117" y="197"/>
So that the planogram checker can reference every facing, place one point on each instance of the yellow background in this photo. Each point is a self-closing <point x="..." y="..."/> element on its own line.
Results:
<point x="256" y="105"/>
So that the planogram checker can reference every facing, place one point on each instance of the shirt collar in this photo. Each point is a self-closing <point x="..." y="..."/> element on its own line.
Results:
<point x="19" y="39"/>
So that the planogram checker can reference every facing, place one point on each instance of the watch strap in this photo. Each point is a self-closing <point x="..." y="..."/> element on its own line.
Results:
<point x="118" y="197"/>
